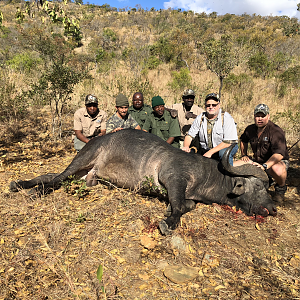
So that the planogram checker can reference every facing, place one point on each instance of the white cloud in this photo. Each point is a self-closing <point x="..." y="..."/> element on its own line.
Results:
<point x="238" y="7"/>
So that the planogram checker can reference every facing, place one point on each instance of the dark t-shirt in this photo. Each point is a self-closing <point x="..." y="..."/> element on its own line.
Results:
<point x="271" y="141"/>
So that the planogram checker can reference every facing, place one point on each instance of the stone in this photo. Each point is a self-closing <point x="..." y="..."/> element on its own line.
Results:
<point x="178" y="243"/>
<point x="181" y="274"/>
<point x="148" y="242"/>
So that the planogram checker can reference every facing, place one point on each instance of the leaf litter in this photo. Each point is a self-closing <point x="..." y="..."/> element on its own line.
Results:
<point x="52" y="247"/>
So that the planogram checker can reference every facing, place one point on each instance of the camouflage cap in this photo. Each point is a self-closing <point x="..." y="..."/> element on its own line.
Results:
<point x="188" y="92"/>
<point x="213" y="96"/>
<point x="91" y="99"/>
<point x="263" y="108"/>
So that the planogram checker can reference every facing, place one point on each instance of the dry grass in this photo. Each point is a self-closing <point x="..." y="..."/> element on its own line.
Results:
<point x="51" y="247"/>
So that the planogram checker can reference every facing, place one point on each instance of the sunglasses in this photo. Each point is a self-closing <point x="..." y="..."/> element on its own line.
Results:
<point x="92" y="104"/>
<point x="209" y="105"/>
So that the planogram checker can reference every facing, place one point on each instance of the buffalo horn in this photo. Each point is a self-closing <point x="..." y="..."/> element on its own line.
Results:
<point x="245" y="170"/>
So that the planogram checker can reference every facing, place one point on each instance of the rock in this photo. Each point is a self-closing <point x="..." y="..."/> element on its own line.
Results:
<point x="180" y="274"/>
<point x="210" y="260"/>
<point x="148" y="242"/>
<point x="162" y="264"/>
<point x="178" y="243"/>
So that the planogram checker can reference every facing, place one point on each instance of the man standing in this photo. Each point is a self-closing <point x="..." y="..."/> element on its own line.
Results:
<point x="269" y="148"/>
<point x="160" y="123"/>
<point x="186" y="112"/>
<point x="121" y="119"/>
<point x="216" y="130"/>
<point x="89" y="121"/>
<point x="138" y="110"/>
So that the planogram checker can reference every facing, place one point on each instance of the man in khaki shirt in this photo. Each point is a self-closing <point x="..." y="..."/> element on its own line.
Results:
<point x="186" y="112"/>
<point x="89" y="121"/>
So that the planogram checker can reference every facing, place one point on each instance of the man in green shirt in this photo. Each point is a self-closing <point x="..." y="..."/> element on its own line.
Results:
<point x="160" y="123"/>
<point x="138" y="110"/>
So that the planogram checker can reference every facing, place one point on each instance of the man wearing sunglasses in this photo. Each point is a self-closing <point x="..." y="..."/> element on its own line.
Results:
<point x="89" y="121"/>
<point x="216" y="131"/>
<point x="186" y="112"/>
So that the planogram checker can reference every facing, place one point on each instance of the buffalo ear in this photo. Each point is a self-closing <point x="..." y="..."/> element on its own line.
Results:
<point x="239" y="187"/>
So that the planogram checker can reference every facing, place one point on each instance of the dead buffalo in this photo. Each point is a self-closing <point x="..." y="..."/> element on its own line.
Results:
<point x="127" y="157"/>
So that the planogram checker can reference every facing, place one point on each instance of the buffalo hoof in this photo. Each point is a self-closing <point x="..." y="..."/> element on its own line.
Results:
<point x="168" y="211"/>
<point x="164" y="228"/>
<point x="14" y="187"/>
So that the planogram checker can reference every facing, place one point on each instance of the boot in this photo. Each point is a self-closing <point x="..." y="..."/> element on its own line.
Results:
<point x="279" y="193"/>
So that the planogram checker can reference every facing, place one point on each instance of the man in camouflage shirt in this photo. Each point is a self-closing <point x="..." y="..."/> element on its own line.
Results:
<point x="138" y="110"/>
<point x="121" y="119"/>
<point x="160" y="123"/>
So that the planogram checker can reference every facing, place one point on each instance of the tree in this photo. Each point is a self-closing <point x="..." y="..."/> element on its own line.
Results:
<point x="57" y="82"/>
<point x="220" y="57"/>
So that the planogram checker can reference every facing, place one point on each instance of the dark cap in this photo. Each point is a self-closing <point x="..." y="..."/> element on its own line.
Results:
<point x="188" y="92"/>
<point x="263" y="108"/>
<point x="157" y="100"/>
<point x="212" y="96"/>
<point x="91" y="99"/>
<point x="121" y="100"/>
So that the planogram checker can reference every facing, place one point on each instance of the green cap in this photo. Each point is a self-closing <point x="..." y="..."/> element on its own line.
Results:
<point x="121" y="100"/>
<point x="157" y="100"/>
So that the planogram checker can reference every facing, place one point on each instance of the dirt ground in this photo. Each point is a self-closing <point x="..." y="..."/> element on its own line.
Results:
<point x="52" y="247"/>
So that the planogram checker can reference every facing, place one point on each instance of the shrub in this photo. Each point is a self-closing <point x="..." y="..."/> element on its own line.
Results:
<point x="23" y="62"/>
<point x="289" y="78"/>
<point x="260" y="65"/>
<point x="180" y="80"/>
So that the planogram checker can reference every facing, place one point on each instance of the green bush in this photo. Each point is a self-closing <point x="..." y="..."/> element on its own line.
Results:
<point x="23" y="62"/>
<point x="241" y="86"/>
<point x="289" y="78"/>
<point x="260" y="65"/>
<point x="180" y="80"/>
<point x="152" y="63"/>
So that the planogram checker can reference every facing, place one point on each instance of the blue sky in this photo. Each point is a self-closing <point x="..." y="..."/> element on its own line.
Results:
<point x="238" y="7"/>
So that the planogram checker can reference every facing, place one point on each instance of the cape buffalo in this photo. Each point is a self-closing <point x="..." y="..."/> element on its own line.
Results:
<point x="127" y="157"/>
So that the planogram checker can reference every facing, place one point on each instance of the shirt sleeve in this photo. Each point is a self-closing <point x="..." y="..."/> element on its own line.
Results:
<point x="110" y="125"/>
<point x="103" y="121"/>
<point x="147" y="124"/>
<point x="278" y="143"/>
<point x="230" y="131"/>
<point x="195" y="127"/>
<point x="77" y="121"/>
<point x="244" y="137"/>
<point x="133" y="122"/>
<point x="174" y="128"/>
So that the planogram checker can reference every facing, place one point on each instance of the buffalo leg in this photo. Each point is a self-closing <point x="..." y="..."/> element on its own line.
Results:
<point x="178" y="205"/>
<point x="15" y="186"/>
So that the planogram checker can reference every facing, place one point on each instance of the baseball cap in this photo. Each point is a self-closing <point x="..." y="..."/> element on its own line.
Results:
<point x="122" y="100"/>
<point x="263" y="108"/>
<point x="212" y="96"/>
<point x="188" y="92"/>
<point x="91" y="99"/>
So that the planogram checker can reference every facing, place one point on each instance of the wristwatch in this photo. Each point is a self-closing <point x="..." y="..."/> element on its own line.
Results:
<point x="265" y="166"/>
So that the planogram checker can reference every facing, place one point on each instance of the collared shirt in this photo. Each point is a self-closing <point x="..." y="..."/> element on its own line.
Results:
<point x="140" y="115"/>
<point x="87" y="125"/>
<point x="272" y="140"/>
<point x="184" y="122"/>
<point x="164" y="127"/>
<point x="223" y="130"/>
<point x="116" y="122"/>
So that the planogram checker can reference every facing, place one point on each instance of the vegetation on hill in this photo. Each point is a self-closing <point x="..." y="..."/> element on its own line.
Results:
<point x="54" y="54"/>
